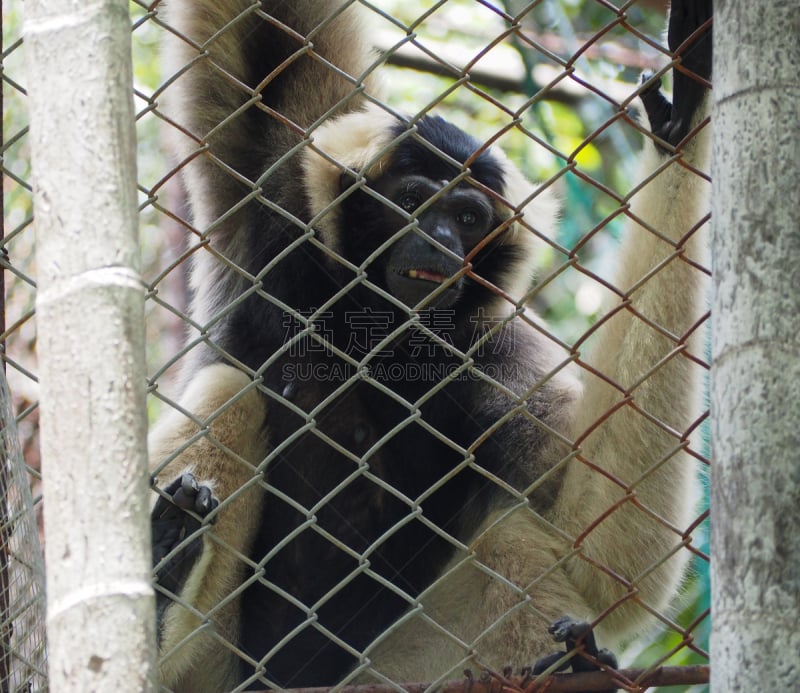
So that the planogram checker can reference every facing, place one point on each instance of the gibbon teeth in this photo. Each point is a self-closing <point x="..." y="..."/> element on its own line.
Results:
<point x="425" y="274"/>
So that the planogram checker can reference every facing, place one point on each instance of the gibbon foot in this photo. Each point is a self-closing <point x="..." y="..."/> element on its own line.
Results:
<point x="175" y="517"/>
<point x="571" y="631"/>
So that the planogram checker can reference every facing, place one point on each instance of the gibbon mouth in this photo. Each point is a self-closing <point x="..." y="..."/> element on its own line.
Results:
<point x="425" y="275"/>
<point x="414" y="286"/>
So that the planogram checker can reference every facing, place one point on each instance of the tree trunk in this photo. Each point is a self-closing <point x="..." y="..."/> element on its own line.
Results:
<point x="755" y="389"/>
<point x="91" y="346"/>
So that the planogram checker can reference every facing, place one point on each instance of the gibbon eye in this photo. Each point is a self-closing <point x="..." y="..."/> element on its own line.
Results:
<point x="409" y="202"/>
<point x="467" y="217"/>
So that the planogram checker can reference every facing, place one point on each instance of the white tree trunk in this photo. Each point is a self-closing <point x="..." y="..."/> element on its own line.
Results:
<point x="91" y="347"/>
<point x="755" y="390"/>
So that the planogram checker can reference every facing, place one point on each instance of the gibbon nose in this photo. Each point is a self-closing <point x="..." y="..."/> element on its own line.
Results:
<point x="437" y="228"/>
<point x="430" y="254"/>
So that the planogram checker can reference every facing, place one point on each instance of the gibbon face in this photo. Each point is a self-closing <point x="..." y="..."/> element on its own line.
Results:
<point x="439" y="226"/>
<point x="415" y="223"/>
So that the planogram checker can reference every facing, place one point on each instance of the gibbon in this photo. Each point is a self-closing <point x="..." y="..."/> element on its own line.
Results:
<point x="382" y="466"/>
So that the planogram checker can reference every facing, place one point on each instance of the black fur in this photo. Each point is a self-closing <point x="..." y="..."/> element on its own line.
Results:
<point x="410" y="459"/>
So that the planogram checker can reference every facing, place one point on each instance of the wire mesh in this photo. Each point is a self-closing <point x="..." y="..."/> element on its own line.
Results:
<point x="22" y="599"/>
<point x="21" y="567"/>
<point x="549" y="97"/>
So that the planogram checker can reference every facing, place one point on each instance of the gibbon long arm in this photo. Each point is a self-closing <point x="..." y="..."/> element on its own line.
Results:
<point x="406" y="529"/>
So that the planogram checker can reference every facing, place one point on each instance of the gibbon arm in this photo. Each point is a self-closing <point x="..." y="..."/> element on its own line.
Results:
<point x="216" y="438"/>
<point x="644" y="394"/>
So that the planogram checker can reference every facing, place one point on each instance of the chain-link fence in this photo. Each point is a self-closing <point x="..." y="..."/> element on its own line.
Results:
<point x="364" y="530"/>
<point x="23" y="665"/>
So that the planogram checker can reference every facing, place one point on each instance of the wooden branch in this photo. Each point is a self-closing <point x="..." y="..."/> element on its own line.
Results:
<point x="508" y="73"/>
<point x="491" y="682"/>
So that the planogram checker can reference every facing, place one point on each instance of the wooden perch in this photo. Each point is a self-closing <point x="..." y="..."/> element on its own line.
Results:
<point x="492" y="682"/>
